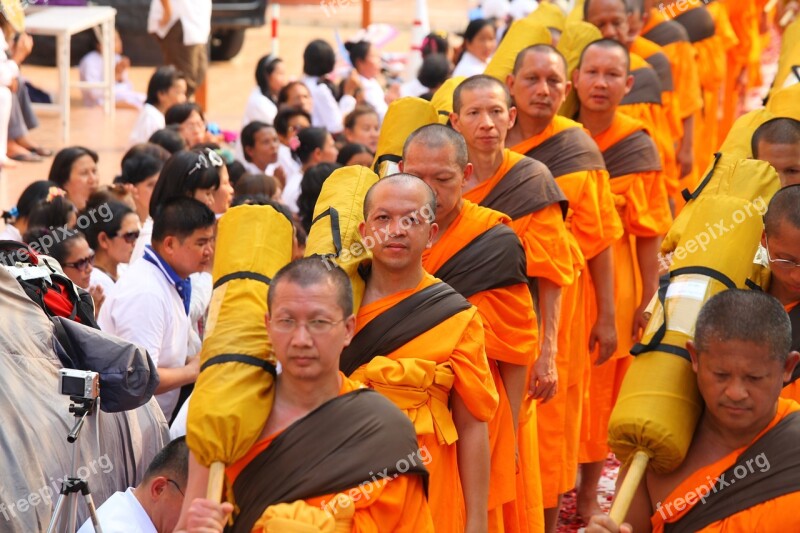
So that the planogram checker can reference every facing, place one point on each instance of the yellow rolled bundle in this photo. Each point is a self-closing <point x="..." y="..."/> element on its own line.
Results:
<point x="403" y="117"/>
<point x="789" y="59"/>
<point x="234" y="393"/>
<point x="549" y="15"/>
<point x="442" y="99"/>
<point x="522" y="34"/>
<point x="783" y="103"/>
<point x="334" y="232"/>
<point x="576" y="36"/>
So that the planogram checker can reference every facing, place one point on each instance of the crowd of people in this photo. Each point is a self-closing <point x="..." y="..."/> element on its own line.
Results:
<point x="518" y="252"/>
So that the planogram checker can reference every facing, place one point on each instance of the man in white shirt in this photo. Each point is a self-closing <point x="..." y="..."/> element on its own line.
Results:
<point x="149" y="305"/>
<point x="154" y="505"/>
<point x="183" y="28"/>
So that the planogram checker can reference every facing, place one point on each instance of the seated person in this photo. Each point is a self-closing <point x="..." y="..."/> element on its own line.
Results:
<point x="362" y="125"/>
<point x="167" y="87"/>
<point x="154" y="504"/>
<point x="741" y="355"/>
<point x="91" y="70"/>
<point x="326" y="434"/>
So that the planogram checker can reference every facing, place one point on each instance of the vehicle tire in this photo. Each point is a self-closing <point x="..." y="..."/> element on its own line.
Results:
<point x="225" y="44"/>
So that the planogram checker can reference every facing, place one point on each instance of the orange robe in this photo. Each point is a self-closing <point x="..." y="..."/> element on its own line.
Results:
<point x="777" y="514"/>
<point x="792" y="390"/>
<point x="548" y="250"/>
<point x="419" y="377"/>
<point x="744" y="16"/>
<point x="511" y="336"/>
<point x="642" y="204"/>
<point x="594" y="225"/>
<point x="388" y="505"/>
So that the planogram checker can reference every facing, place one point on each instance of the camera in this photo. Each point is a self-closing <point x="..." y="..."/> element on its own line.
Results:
<point x="82" y="383"/>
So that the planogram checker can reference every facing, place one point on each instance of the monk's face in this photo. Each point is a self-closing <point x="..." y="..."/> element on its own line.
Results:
<point x="602" y="81"/>
<point x="308" y="329"/>
<point x="540" y="86"/>
<point x="396" y="227"/>
<point x="610" y="18"/>
<point x="785" y="158"/>
<point x="740" y="383"/>
<point x="784" y="243"/>
<point x="438" y="168"/>
<point x="484" y="118"/>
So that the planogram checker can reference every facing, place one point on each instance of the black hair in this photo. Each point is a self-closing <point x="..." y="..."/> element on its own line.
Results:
<point x="183" y="174"/>
<point x="434" y="71"/>
<point x="142" y="161"/>
<point x="60" y="242"/>
<point x="285" y="115"/>
<point x="179" y="217"/>
<point x="248" y="135"/>
<point x="350" y="150"/>
<point x="264" y="69"/>
<point x="255" y="184"/>
<point x="310" y="187"/>
<point x="319" y="58"/>
<point x="358" y="51"/>
<point x="312" y="271"/>
<point x="310" y="139"/>
<point x="235" y="171"/>
<point x="108" y="225"/>
<point x="780" y="130"/>
<point x="169" y="138"/>
<point x="474" y="28"/>
<point x="283" y="95"/>
<point x="65" y="158"/>
<point x="179" y="113"/>
<point x="608" y="44"/>
<point x="435" y="43"/>
<point x="161" y="81"/>
<point x="171" y="462"/>
<point x="359" y="111"/>
<point x="542" y="49"/>
<point x="51" y="215"/>
<point x="480" y="81"/>
<point x="33" y="195"/>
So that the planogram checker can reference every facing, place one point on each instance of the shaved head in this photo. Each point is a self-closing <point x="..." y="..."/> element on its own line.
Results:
<point x="627" y="5"/>
<point x="777" y="142"/>
<point x="538" y="49"/>
<point x="436" y="136"/>
<point x="407" y="181"/>
<point x="608" y="44"/>
<point x="784" y="207"/>
<point x="480" y="81"/>
<point x="313" y="271"/>
<point x="781" y="130"/>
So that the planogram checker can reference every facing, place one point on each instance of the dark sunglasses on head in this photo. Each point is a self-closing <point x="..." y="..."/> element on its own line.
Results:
<point x="82" y="264"/>
<point x="129" y="237"/>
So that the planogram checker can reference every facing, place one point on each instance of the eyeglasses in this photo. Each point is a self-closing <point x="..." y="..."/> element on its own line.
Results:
<point x="314" y="327"/>
<point x="783" y="264"/>
<point x="82" y="264"/>
<point x="129" y="237"/>
<point x="176" y="485"/>
<point x="208" y="159"/>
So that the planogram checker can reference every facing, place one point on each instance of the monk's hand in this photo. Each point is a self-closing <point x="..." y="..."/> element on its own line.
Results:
<point x="206" y="516"/>
<point x="640" y="320"/>
<point x="544" y="382"/>
<point x="685" y="158"/>
<point x="601" y="523"/>
<point x="603" y="335"/>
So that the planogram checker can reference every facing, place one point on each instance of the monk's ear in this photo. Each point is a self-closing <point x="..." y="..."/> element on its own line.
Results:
<point x="349" y="329"/>
<point x="512" y="116"/>
<point x="764" y="238"/>
<point x="692" y="349"/>
<point x="400" y="165"/>
<point x="510" y="82"/>
<point x="454" y="122"/>
<point x="468" y="170"/>
<point x="575" y="76"/>
<point x="432" y="235"/>
<point x="362" y="229"/>
<point x="788" y="366"/>
<point x="628" y="84"/>
<point x="157" y="486"/>
<point x="567" y="89"/>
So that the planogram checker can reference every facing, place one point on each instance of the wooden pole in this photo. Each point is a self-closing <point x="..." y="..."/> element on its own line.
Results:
<point x="636" y="471"/>
<point x="366" y="13"/>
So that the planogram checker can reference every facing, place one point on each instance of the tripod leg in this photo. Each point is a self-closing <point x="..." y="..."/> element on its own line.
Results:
<point x="73" y="512"/>
<point x="92" y="511"/>
<point x="56" y="514"/>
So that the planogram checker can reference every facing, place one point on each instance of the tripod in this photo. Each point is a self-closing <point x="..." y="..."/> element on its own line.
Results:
<point x="81" y="408"/>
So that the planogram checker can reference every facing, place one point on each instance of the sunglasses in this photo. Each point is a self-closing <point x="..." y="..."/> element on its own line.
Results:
<point x="82" y="264"/>
<point x="129" y="237"/>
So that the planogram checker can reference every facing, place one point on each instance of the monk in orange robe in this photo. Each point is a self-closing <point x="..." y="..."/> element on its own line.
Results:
<point x="421" y="344"/>
<point x="777" y="142"/>
<point x="633" y="165"/>
<point x="745" y="17"/>
<point x="326" y="436"/>
<point x="539" y="85"/>
<point x="742" y="469"/>
<point x="523" y="189"/>
<point x="674" y="41"/>
<point x="482" y="258"/>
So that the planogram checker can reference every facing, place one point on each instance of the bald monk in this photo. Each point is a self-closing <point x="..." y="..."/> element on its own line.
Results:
<point x="742" y="470"/>
<point x="539" y="85"/>
<point x="777" y="142"/>
<point x="523" y="189"/>
<point x="633" y="165"/>
<point x="326" y="437"/>
<point x="476" y="253"/>
<point x="781" y="247"/>
<point x="645" y="100"/>
<point x="422" y="345"/>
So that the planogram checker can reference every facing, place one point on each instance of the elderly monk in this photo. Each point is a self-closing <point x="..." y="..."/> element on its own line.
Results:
<point x="477" y="254"/>
<point x="742" y="470"/>
<point x="777" y="142"/>
<point x="525" y="190"/>
<point x="421" y="344"/>
<point x="326" y="437"/>
<point x="601" y="82"/>
<point x="645" y="101"/>
<point x="539" y="86"/>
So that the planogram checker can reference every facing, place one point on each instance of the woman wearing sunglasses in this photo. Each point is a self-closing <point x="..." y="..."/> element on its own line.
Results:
<point x="112" y="238"/>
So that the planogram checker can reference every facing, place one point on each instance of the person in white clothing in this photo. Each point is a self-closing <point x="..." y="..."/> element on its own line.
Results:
<point x="141" y="165"/>
<point x="319" y="60"/>
<point x="362" y="125"/>
<point x="154" y="505"/>
<point x="112" y="239"/>
<point x="183" y="28"/>
<point x="260" y="144"/>
<point x="480" y="42"/>
<point x="314" y="146"/>
<point x="150" y="304"/>
<point x="366" y="61"/>
<point x="288" y="123"/>
<point x="16" y="218"/>
<point x="262" y="104"/>
<point x="166" y="88"/>
<point x="91" y="70"/>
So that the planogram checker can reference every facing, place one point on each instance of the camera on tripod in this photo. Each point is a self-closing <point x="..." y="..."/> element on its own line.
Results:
<point x="82" y="383"/>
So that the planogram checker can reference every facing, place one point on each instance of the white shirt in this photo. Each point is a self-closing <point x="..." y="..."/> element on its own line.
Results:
<point x="194" y="15"/>
<point x="285" y="160"/>
<point x="98" y="277"/>
<point x="413" y="88"/>
<point x="373" y="95"/>
<point x="292" y="191"/>
<point x="327" y="112"/>
<point x="121" y="513"/>
<point x="469" y="66"/>
<point x="10" y="233"/>
<point x="144" y="308"/>
<point x="259" y="107"/>
<point x="150" y="120"/>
